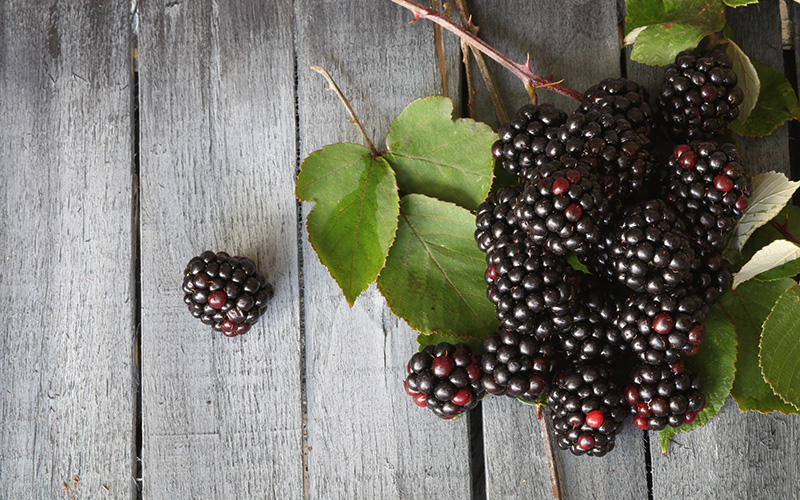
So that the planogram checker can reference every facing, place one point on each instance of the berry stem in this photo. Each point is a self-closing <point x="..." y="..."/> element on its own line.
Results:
<point x="547" y="439"/>
<point x="784" y="230"/>
<point x="438" y="43"/>
<point x="522" y="71"/>
<point x="354" y="119"/>
<point x="480" y="61"/>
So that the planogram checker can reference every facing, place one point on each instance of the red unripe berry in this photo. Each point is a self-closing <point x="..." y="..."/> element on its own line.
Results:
<point x="443" y="366"/>
<point x="643" y="409"/>
<point x="242" y="328"/>
<point x="462" y="397"/>
<point x="573" y="176"/>
<point x="228" y="328"/>
<point x="474" y="372"/>
<point x="595" y="418"/>
<point x="663" y="323"/>
<point x="585" y="441"/>
<point x="689" y="417"/>
<point x="679" y="150"/>
<point x="408" y="390"/>
<point x="742" y="202"/>
<point x="723" y="183"/>
<point x="688" y="160"/>
<point x="421" y="399"/>
<point x="641" y="422"/>
<point x="491" y="273"/>
<point x="573" y="212"/>
<point x="694" y="350"/>
<point x="631" y="395"/>
<point x="677" y="367"/>
<point x="697" y="335"/>
<point x="217" y="299"/>
<point x="560" y="186"/>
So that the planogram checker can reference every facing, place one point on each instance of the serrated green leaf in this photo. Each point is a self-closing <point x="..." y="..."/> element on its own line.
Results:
<point x="715" y="361"/>
<point x="658" y="44"/>
<point x="475" y="343"/>
<point x="433" y="276"/>
<point x="353" y="222"/>
<point x="434" y="155"/>
<point x="779" y="351"/>
<point x="776" y="254"/>
<point x="789" y="218"/>
<point x="771" y="192"/>
<point x="748" y="78"/>
<point x="747" y="307"/>
<point x="708" y="13"/>
<point x="776" y="104"/>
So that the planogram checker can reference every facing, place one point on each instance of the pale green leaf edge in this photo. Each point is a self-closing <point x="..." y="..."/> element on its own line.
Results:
<point x="765" y="259"/>
<point x="748" y="80"/>
<point x="760" y="360"/>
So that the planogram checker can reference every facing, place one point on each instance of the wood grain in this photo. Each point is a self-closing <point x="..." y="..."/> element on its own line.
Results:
<point x="222" y="417"/>
<point x="67" y="368"/>
<point x="366" y="437"/>
<point x="577" y="41"/>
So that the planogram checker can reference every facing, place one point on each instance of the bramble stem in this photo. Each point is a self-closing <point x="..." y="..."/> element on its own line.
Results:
<point x="438" y="43"/>
<point x="547" y="439"/>
<point x="354" y="119"/>
<point x="784" y="230"/>
<point x="522" y="71"/>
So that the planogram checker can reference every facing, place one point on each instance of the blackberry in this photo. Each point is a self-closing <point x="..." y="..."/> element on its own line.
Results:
<point x="495" y="218"/>
<point x="225" y="292"/>
<point x="713" y="278"/>
<point x="525" y="282"/>
<point x="664" y="394"/>
<point x="565" y="211"/>
<point x="517" y="365"/>
<point x="587" y="409"/>
<point x="699" y="96"/>
<point x="624" y="99"/>
<point x="662" y="328"/>
<point x="709" y="187"/>
<point x="445" y="378"/>
<point x="648" y="249"/>
<point x="529" y="139"/>
<point x="607" y="142"/>
<point x="592" y="333"/>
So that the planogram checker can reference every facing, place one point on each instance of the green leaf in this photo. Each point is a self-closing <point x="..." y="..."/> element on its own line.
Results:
<point x="739" y="3"/>
<point x="354" y="218"/>
<point x="789" y="218"/>
<point x="433" y="276"/>
<point x="661" y="29"/>
<point x="658" y="44"/>
<point x="716" y="364"/>
<point x="748" y="78"/>
<point x="777" y="103"/>
<point x="779" y="351"/>
<point x="475" y="343"/>
<point x="443" y="158"/>
<point x="747" y="306"/>
<point x="771" y="191"/>
<point x="576" y="264"/>
<point x="776" y="254"/>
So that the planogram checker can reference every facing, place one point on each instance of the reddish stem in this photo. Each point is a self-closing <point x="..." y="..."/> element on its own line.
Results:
<point x="522" y="71"/>
<point x="784" y="230"/>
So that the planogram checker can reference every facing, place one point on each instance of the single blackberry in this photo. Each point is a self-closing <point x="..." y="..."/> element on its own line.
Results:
<point x="661" y="328"/>
<point x="225" y="292"/>
<point x="624" y="99"/>
<point x="517" y="365"/>
<point x="699" y="96"/>
<point x="495" y="218"/>
<point x="526" y="283"/>
<point x="445" y="378"/>
<point x="609" y="144"/>
<point x="529" y="139"/>
<point x="587" y="409"/>
<point x="566" y="211"/>
<point x="709" y="187"/>
<point x="664" y="394"/>
<point x="648" y="250"/>
<point x="592" y="334"/>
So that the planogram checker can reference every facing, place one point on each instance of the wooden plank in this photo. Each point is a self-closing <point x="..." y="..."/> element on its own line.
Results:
<point x="366" y="438"/>
<point x="222" y="417"/>
<point x="746" y="453"/>
<point x="560" y="41"/>
<point x="67" y="367"/>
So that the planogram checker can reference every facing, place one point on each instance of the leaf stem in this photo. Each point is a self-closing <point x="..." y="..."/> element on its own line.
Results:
<point x="522" y="71"/>
<point x="784" y="230"/>
<point x="354" y="119"/>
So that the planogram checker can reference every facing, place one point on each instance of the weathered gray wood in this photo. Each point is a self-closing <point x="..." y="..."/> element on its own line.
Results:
<point x="366" y="438"/>
<point x="579" y="42"/>
<point x="751" y="455"/>
<point x="67" y="368"/>
<point x="222" y="417"/>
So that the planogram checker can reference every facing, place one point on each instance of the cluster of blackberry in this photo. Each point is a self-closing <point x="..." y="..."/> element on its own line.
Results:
<point x="650" y="233"/>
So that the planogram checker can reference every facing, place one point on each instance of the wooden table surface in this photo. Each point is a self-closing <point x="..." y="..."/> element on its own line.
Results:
<point x="110" y="180"/>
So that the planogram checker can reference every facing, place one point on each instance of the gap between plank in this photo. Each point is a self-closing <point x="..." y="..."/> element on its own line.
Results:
<point x="136" y="466"/>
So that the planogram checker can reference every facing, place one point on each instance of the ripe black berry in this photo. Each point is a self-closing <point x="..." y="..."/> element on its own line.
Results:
<point x="495" y="218"/>
<point x="225" y="292"/>
<point x="664" y="394"/>
<point x="517" y="365"/>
